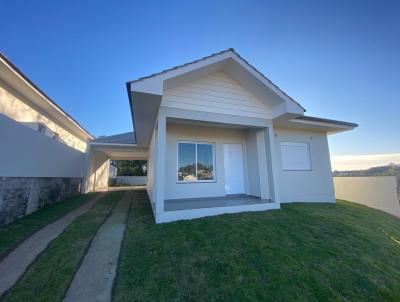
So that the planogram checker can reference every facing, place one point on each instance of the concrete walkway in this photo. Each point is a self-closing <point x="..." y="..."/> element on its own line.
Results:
<point x="14" y="264"/>
<point x="94" y="279"/>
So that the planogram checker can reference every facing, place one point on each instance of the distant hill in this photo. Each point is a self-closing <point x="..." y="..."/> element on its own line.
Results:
<point x="389" y="170"/>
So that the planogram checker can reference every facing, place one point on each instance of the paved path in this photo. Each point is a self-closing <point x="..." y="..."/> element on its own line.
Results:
<point x="14" y="264"/>
<point x="94" y="279"/>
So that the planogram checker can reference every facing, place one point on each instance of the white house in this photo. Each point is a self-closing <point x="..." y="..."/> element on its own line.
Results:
<point x="219" y="137"/>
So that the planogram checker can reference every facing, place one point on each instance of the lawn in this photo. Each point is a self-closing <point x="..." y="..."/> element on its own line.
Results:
<point x="303" y="252"/>
<point x="15" y="232"/>
<point x="49" y="276"/>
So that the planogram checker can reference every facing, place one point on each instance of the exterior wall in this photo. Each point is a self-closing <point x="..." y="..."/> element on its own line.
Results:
<point x="252" y="164"/>
<point x="306" y="186"/>
<point x="27" y="153"/>
<point x="98" y="171"/>
<point x="14" y="106"/>
<point x="20" y="196"/>
<point x="218" y="136"/>
<point x="216" y="93"/>
<point x="131" y="180"/>
<point x="151" y="169"/>
<point x="376" y="192"/>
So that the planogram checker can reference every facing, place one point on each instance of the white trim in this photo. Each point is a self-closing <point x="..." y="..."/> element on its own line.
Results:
<point x="177" y="162"/>
<point x="113" y="144"/>
<point x="324" y="124"/>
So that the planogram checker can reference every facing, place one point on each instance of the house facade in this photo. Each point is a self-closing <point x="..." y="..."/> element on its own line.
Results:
<point x="222" y="138"/>
<point x="219" y="137"/>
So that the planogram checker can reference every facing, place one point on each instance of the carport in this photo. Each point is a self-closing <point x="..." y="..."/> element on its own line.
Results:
<point x="106" y="148"/>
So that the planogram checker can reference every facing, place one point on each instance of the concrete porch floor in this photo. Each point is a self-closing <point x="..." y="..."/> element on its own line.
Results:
<point x="212" y="202"/>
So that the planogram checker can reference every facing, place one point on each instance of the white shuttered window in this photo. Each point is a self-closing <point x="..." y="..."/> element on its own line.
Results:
<point x="295" y="156"/>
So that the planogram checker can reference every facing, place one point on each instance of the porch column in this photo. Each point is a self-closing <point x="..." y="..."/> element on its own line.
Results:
<point x="262" y="161"/>
<point x="272" y="166"/>
<point x="160" y="162"/>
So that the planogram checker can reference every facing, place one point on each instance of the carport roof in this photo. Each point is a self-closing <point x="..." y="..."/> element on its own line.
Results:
<point x="127" y="138"/>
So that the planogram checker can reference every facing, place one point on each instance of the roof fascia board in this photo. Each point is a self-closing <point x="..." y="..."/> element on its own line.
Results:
<point x="155" y="84"/>
<point x="112" y="144"/>
<point x="250" y="68"/>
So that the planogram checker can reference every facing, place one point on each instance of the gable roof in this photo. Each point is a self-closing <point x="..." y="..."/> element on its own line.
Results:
<point x="229" y="50"/>
<point x="73" y="123"/>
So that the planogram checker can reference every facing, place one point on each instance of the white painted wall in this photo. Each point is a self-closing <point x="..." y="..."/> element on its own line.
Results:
<point x="25" y="152"/>
<point x="216" y="135"/>
<point x="375" y="192"/>
<point x="252" y="163"/>
<point x="315" y="185"/>
<point x="14" y="105"/>
<point x="98" y="171"/>
<point x="216" y="93"/>
<point x="131" y="180"/>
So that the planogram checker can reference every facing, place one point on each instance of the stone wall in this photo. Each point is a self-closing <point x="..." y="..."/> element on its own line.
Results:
<point x="20" y="196"/>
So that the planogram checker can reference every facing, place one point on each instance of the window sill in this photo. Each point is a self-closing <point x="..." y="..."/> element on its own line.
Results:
<point x="196" y="181"/>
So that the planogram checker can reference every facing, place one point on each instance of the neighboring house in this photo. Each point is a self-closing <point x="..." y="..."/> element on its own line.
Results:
<point x="43" y="149"/>
<point x="219" y="138"/>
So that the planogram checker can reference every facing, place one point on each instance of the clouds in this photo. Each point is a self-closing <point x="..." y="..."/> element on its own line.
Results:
<point x="360" y="162"/>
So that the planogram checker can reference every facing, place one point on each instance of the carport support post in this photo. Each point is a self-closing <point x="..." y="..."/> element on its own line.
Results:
<point x="160" y="162"/>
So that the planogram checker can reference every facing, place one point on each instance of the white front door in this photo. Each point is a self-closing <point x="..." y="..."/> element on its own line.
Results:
<point x="234" y="169"/>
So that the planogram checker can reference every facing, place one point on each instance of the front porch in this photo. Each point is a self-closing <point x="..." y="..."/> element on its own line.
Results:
<point x="213" y="202"/>
<point x="236" y="153"/>
<point x="185" y="209"/>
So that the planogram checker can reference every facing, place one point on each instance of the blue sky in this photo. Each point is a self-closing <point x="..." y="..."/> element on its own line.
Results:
<point x="339" y="59"/>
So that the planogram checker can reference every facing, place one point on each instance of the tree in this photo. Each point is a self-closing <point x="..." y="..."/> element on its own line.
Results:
<point x="130" y="167"/>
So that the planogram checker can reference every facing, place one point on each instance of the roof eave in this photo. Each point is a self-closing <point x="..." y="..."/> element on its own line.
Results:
<point x="50" y="102"/>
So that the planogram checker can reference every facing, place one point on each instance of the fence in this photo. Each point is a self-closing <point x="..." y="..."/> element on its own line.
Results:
<point x="378" y="192"/>
<point x="130" y="180"/>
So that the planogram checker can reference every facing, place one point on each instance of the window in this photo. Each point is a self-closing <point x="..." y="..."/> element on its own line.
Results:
<point x="295" y="156"/>
<point x="195" y="162"/>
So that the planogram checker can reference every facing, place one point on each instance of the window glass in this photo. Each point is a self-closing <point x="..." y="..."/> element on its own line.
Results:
<point x="186" y="162"/>
<point x="195" y="162"/>
<point x="205" y="162"/>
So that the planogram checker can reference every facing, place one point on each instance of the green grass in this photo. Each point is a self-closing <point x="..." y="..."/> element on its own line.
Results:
<point x="49" y="276"/>
<point x="15" y="232"/>
<point x="303" y="252"/>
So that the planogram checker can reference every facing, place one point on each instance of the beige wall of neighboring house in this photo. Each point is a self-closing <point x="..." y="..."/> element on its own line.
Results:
<point x="42" y="149"/>
<point x="379" y="192"/>
<point x="15" y="106"/>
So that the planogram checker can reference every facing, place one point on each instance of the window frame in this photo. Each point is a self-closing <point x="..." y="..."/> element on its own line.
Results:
<point x="177" y="162"/>
<point x="308" y="151"/>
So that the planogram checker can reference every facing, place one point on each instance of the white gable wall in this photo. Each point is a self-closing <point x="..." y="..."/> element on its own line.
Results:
<point x="216" y="93"/>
